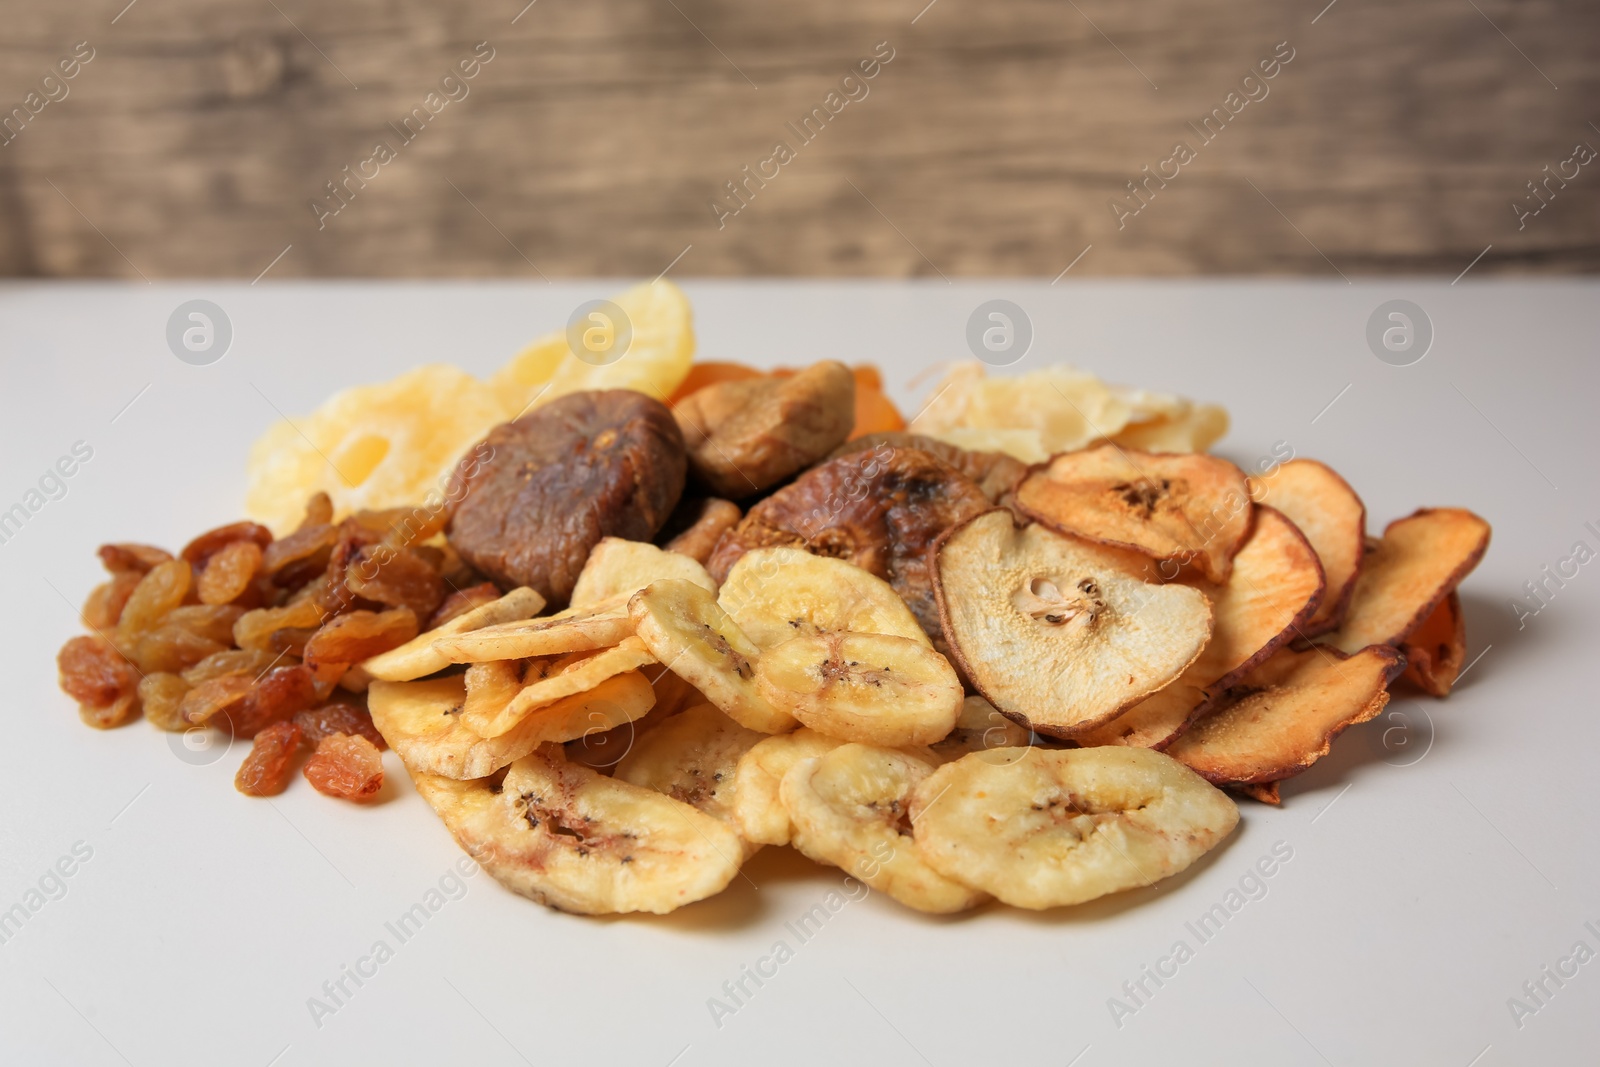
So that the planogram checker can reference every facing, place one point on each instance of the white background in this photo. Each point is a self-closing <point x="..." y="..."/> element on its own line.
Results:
<point x="1422" y="892"/>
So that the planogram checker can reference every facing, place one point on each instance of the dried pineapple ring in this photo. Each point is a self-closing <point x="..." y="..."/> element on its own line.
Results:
<point x="389" y="445"/>
<point x="1066" y="826"/>
<point x="692" y="757"/>
<point x="777" y="593"/>
<point x="849" y="810"/>
<point x="684" y="628"/>
<point x="876" y="688"/>
<point x="576" y="840"/>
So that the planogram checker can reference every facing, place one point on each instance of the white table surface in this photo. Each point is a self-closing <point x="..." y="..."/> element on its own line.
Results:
<point x="1429" y="879"/>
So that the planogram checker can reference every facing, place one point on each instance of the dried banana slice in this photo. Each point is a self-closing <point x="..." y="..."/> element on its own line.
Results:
<point x="757" y="807"/>
<point x="620" y="568"/>
<point x="599" y="625"/>
<point x="417" y="657"/>
<point x="777" y="593"/>
<point x="692" y="757"/>
<point x="981" y="728"/>
<point x="875" y="688"/>
<point x="849" y="809"/>
<point x="1069" y="825"/>
<point x="421" y="721"/>
<point x="685" y="629"/>
<point x="549" y="681"/>
<point x="578" y="841"/>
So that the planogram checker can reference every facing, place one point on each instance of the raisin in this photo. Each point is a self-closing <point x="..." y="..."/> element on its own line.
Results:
<point x="104" y="717"/>
<point x="162" y="697"/>
<point x="157" y="593"/>
<point x="462" y="601"/>
<point x="104" y="607"/>
<point x="346" y="766"/>
<point x="880" y="509"/>
<point x="359" y="635"/>
<point x="296" y="559"/>
<point x="396" y="578"/>
<point x="93" y="672"/>
<point x="214" y="621"/>
<point x="265" y="771"/>
<point x="256" y="628"/>
<point x="228" y="573"/>
<point x="208" y="544"/>
<point x="132" y="558"/>
<point x="583" y="467"/>
<point x="338" y="718"/>
<point x="319" y="511"/>
<point x="169" y="648"/>
<point x="278" y="695"/>
<point x="333" y="595"/>
<point x="232" y="661"/>
<point x="216" y="696"/>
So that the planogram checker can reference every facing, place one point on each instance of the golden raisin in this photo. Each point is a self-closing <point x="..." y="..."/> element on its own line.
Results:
<point x="360" y="635"/>
<point x="396" y="578"/>
<point x="104" y="607"/>
<point x="208" y="544"/>
<point x="265" y="771"/>
<point x="162" y="697"/>
<point x="132" y="558"/>
<point x="232" y="661"/>
<point x="255" y="628"/>
<point x="172" y="649"/>
<point x="161" y="590"/>
<point x="346" y="766"/>
<point x="338" y="718"/>
<point x="216" y="696"/>
<point x="228" y="573"/>
<point x="280" y="694"/>
<point x="93" y="672"/>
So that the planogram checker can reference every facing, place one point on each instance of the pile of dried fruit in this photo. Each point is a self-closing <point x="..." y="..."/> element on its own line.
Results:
<point x="645" y="631"/>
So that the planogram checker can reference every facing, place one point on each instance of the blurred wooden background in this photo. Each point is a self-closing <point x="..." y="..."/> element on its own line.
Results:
<point x="1397" y="139"/>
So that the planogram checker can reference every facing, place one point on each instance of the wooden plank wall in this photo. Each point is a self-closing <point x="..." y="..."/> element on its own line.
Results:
<point x="993" y="139"/>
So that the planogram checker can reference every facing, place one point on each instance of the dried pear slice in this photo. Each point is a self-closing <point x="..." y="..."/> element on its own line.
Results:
<point x="1436" y="650"/>
<point x="418" y="658"/>
<point x="683" y="626"/>
<point x="850" y="809"/>
<point x="1420" y="559"/>
<point x="573" y="839"/>
<point x="777" y="593"/>
<point x="1065" y="826"/>
<point x="549" y="681"/>
<point x="598" y="625"/>
<point x="620" y="568"/>
<point x="692" y="757"/>
<point x="1054" y="631"/>
<point x="421" y="721"/>
<point x="1284" y="715"/>
<point x="1333" y="518"/>
<point x="875" y="688"/>
<point x="1172" y="507"/>
<point x="1275" y="585"/>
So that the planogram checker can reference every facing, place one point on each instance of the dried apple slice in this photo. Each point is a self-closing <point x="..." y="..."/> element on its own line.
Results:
<point x="598" y="625"/>
<point x="569" y="837"/>
<point x="421" y="721"/>
<point x="1284" y="715"/>
<point x="548" y="681"/>
<point x="1421" y="558"/>
<point x="1334" y="520"/>
<point x="1178" y="508"/>
<point x="1436" y="650"/>
<point x="1275" y="585"/>
<point x="1054" y="631"/>
<point x="777" y="593"/>
<point x="417" y="657"/>
<point x="620" y="568"/>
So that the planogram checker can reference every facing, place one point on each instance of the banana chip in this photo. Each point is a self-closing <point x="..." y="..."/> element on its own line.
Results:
<point x="980" y="728"/>
<point x="876" y="688"/>
<point x="1065" y="826"/>
<point x="684" y="628"/>
<point x="421" y="721"/>
<point x="569" y="837"/>
<point x="850" y="809"/>
<point x="773" y="594"/>
<point x="599" y="625"/>
<point x="757" y="807"/>
<point x="617" y="569"/>
<point x="418" y="658"/>
<point x="692" y="757"/>
<point x="548" y="682"/>
<point x="1284" y="715"/>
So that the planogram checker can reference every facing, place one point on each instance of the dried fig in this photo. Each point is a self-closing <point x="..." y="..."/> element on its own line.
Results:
<point x="880" y="509"/>
<point x="586" y="466"/>
<point x="995" y="472"/>
<point x="744" y="436"/>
